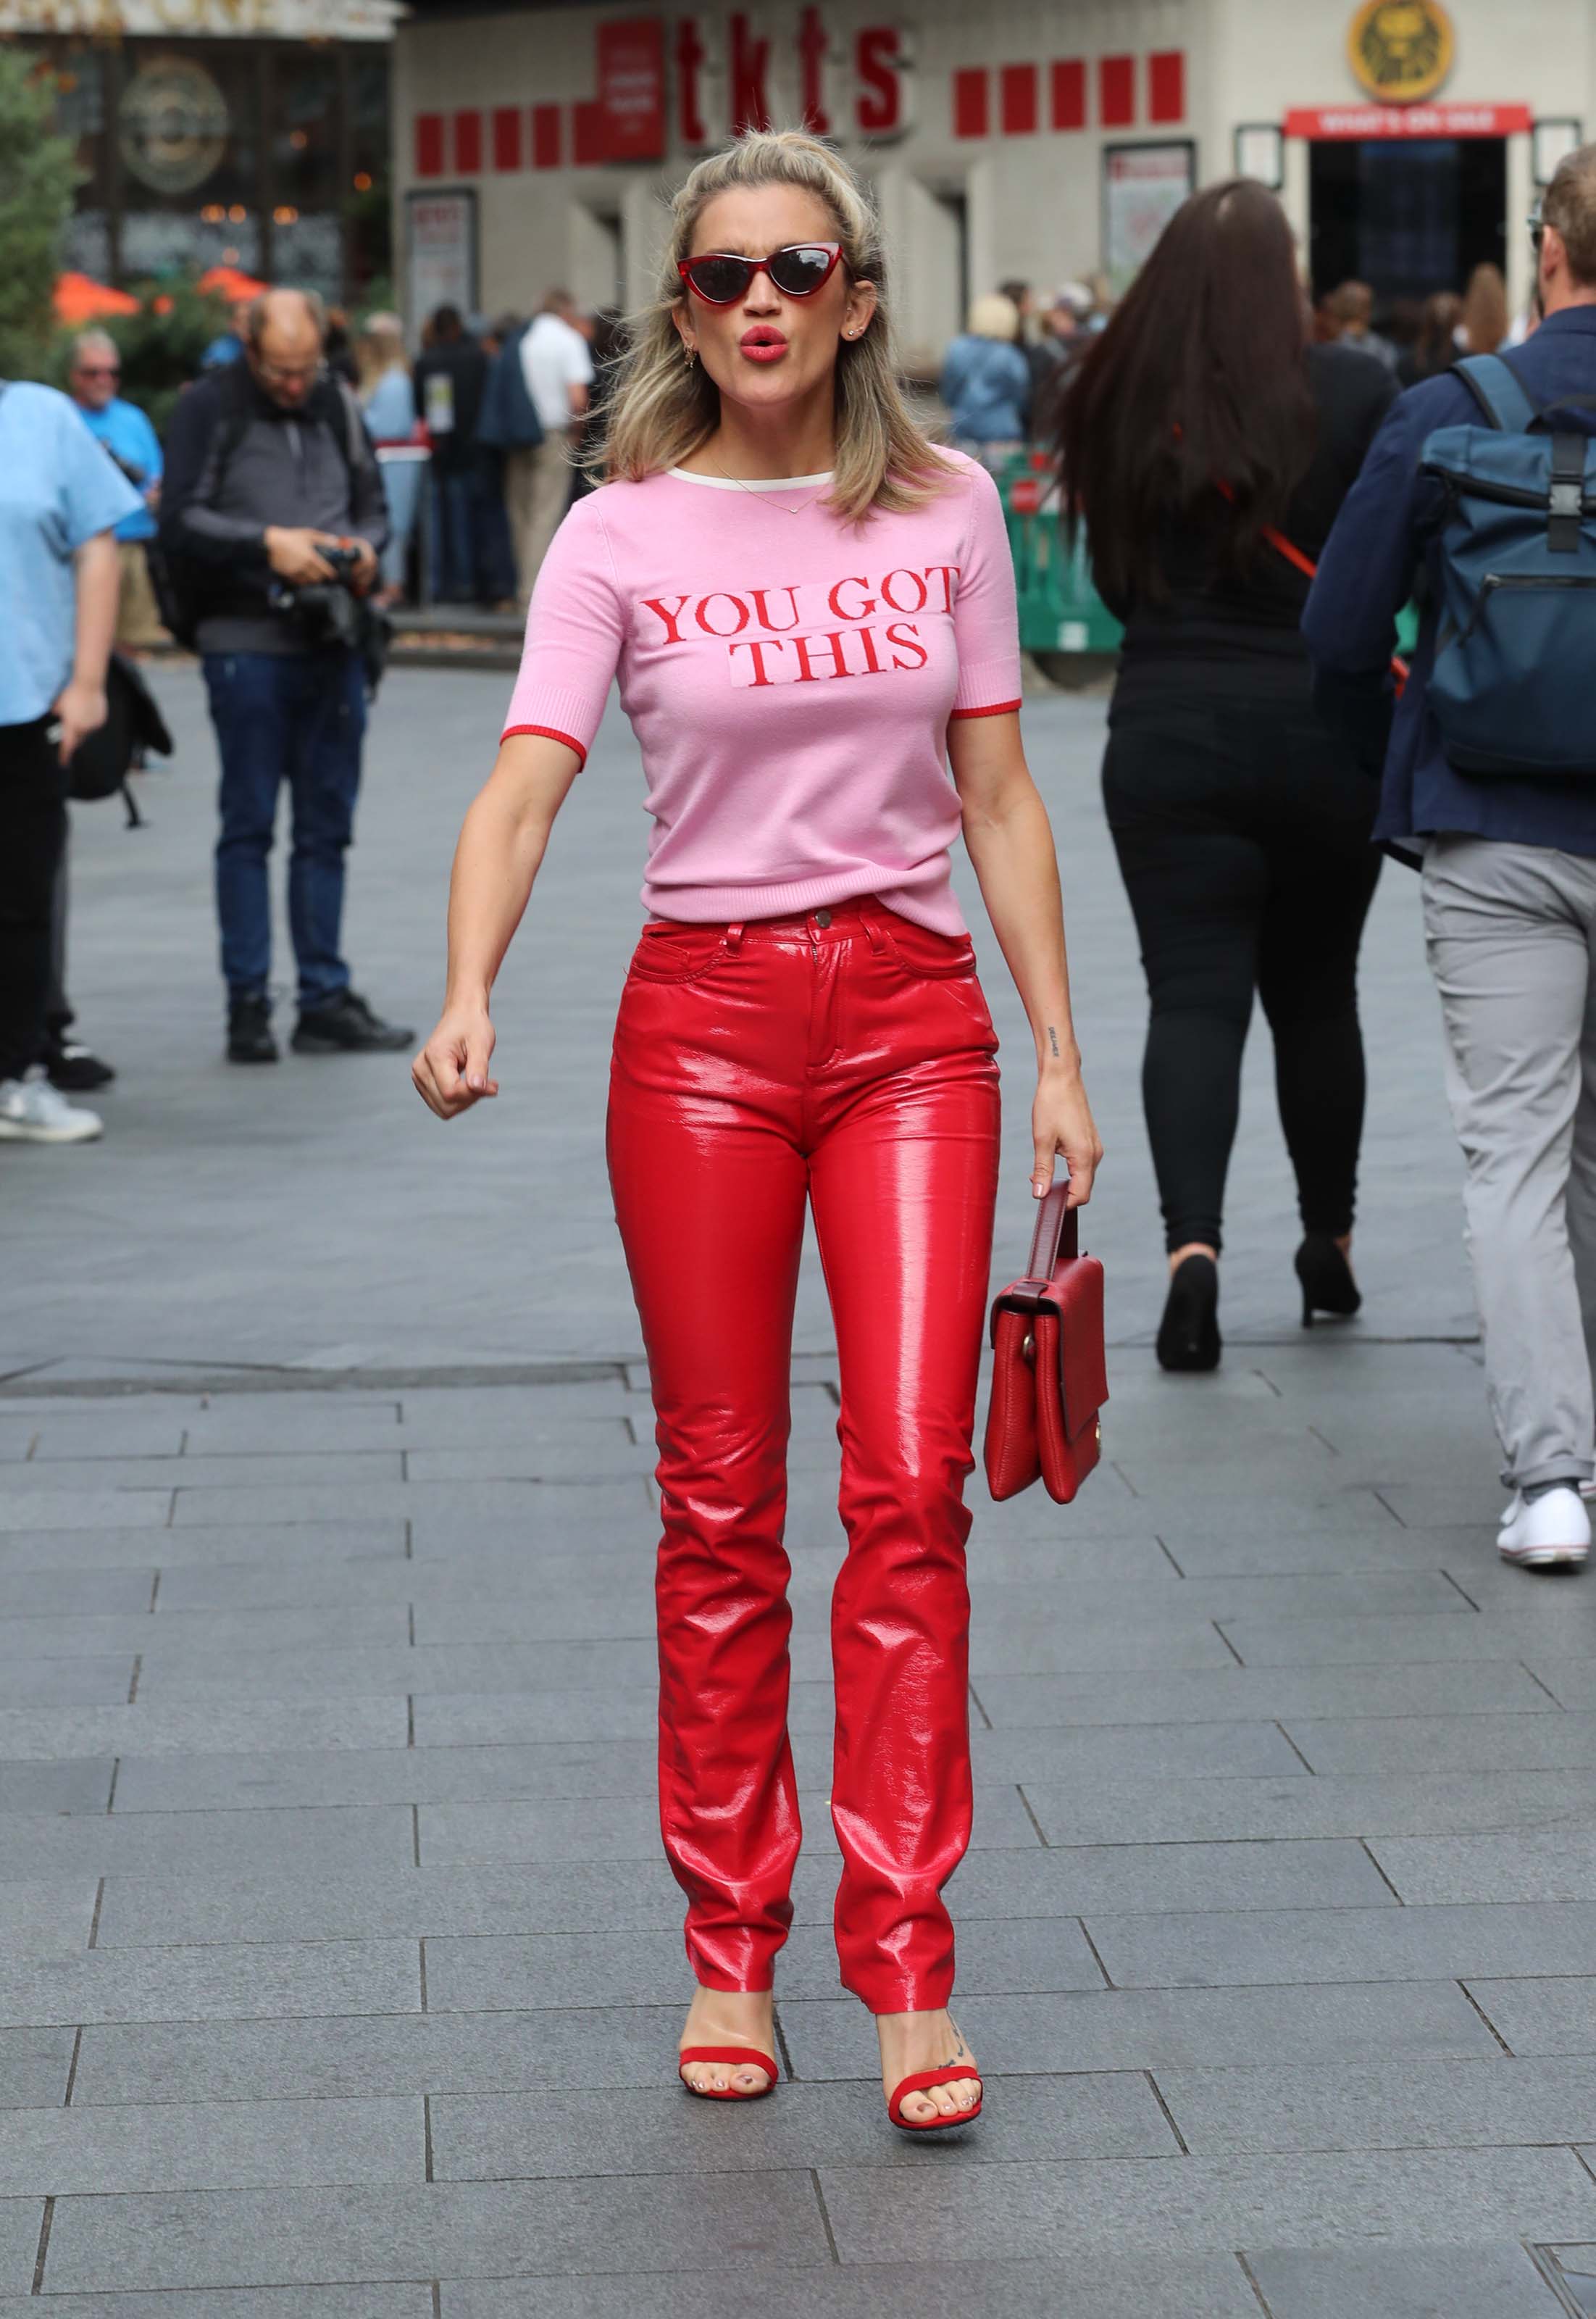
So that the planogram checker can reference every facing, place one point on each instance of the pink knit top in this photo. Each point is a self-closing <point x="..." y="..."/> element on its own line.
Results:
<point x="790" y="677"/>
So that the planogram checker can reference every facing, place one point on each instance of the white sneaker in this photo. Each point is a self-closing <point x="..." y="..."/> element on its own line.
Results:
<point x="1552" y="1531"/>
<point x="32" y="1111"/>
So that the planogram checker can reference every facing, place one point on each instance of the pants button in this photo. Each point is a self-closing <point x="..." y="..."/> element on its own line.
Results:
<point x="823" y="917"/>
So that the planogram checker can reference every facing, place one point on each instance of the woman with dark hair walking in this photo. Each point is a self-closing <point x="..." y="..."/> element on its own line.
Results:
<point x="1203" y="440"/>
<point x="810" y="611"/>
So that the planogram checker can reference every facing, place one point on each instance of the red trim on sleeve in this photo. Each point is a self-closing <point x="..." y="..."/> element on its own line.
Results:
<point x="998" y="708"/>
<point x="552" y="733"/>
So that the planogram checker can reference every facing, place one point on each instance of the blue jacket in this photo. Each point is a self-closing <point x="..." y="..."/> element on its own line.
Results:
<point x="1387" y="528"/>
<point x="986" y="385"/>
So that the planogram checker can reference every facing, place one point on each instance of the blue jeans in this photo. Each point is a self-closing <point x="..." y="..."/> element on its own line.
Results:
<point x="473" y="561"/>
<point x="298" y="717"/>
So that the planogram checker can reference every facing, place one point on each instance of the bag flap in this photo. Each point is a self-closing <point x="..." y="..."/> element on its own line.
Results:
<point x="1475" y="454"/>
<point x="1076" y="1289"/>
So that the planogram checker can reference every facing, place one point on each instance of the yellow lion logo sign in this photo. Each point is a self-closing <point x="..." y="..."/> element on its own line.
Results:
<point x="1400" y="50"/>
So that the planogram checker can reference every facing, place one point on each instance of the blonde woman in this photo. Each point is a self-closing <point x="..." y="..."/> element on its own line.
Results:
<point x="388" y="399"/>
<point x="809" y="609"/>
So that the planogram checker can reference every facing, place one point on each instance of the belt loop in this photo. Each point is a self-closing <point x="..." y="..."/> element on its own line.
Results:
<point x="733" y="937"/>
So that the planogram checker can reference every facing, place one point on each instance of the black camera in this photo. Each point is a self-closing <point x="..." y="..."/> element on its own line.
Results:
<point x="326" y="610"/>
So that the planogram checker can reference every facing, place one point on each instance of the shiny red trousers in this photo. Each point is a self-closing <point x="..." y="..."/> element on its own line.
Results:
<point x="848" y="1054"/>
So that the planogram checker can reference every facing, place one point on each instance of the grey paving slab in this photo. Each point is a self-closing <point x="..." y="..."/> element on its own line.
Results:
<point x="30" y="1593"/>
<point x="394" y="2300"/>
<point x="35" y="2064"/>
<point x="552" y="1457"/>
<point x="197" y="1982"/>
<point x="307" y="1470"/>
<point x="511" y="2137"/>
<point x="43" y="1733"/>
<point x="1421" y="2197"/>
<point x="1191" y="2028"/>
<point x="1203" y="1695"/>
<point x="1295" y="1944"/>
<point x="237" y="2145"/>
<point x="26" y="1681"/>
<point x="174" y="1844"/>
<point x="1081" y="1759"/>
<point x="21" y="2221"/>
<point x="1169" y="1811"/>
<point x="451" y="1508"/>
<point x="30" y="1505"/>
<point x="48" y="1430"/>
<point x="1405" y="2105"/>
<point x="1541" y="2014"/>
<point x="46" y="1917"/>
<point x="1465" y="2282"/>
<point x="1130" y="2287"/>
<point x="67" y="1784"/>
<point x="1341" y="1553"/>
<point x="1315" y="1595"/>
<point x="238" y="1424"/>
<point x="1371" y="1639"/>
<point x="243" y="2238"/>
<point x="1574" y="2270"/>
<point x="1571" y="1683"/>
<point x="121" y="1549"/>
<point x="1418" y="1746"/>
<point x="1556" y="1863"/>
<point x="386" y="1776"/>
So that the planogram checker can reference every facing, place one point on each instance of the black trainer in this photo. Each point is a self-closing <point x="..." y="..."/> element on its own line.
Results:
<point x="74" y="1069"/>
<point x="345" y="1026"/>
<point x="249" y="1032"/>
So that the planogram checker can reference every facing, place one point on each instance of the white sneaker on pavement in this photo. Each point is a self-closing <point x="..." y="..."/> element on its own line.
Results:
<point x="1551" y="1531"/>
<point x="32" y="1111"/>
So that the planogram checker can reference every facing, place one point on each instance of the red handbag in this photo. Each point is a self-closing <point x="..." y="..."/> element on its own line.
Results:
<point x="1050" y="1374"/>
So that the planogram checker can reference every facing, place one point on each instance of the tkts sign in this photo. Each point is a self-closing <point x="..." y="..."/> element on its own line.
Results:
<point x="731" y="75"/>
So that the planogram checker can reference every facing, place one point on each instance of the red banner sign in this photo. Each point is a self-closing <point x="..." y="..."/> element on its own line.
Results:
<point x="631" y="101"/>
<point x="1373" y="120"/>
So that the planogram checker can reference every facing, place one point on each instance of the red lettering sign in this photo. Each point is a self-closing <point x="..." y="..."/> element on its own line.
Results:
<point x="751" y="59"/>
<point x="1070" y="93"/>
<point x="587" y="135"/>
<point x="690" y="60"/>
<point x="1366" y="121"/>
<point x="1166" y="85"/>
<point x="969" y="102"/>
<point x="507" y="137"/>
<point x="631" y="72"/>
<point x="429" y="145"/>
<point x="811" y="47"/>
<point x="468" y="143"/>
<point x="545" y="137"/>
<point x="880" y="67"/>
<point x="1017" y="87"/>
<point x="1116" y="92"/>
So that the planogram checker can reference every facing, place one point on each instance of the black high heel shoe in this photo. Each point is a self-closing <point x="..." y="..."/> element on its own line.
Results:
<point x="1188" y="1334"/>
<point x="1327" y="1286"/>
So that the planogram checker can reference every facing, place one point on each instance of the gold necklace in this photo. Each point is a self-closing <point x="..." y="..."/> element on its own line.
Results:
<point x="755" y="494"/>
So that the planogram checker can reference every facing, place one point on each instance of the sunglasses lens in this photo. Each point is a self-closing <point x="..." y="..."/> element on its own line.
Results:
<point x="799" y="272"/>
<point x="720" y="279"/>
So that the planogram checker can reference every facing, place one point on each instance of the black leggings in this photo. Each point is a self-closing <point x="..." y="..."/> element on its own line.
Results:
<point x="33" y="832"/>
<point x="1243" y="839"/>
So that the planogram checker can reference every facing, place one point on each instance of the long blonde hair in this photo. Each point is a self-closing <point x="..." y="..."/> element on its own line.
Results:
<point x="665" y="407"/>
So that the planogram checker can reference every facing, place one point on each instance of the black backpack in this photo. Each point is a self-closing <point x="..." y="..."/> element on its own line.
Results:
<point x="185" y="588"/>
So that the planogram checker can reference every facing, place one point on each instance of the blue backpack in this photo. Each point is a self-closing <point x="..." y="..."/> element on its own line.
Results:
<point x="1512" y="688"/>
<point x="508" y="419"/>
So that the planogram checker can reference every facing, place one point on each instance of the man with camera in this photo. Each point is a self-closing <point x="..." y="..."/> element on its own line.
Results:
<point x="273" y="518"/>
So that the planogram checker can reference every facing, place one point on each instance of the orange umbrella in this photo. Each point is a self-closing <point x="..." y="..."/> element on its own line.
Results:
<point x="79" y="299"/>
<point x="230" y="282"/>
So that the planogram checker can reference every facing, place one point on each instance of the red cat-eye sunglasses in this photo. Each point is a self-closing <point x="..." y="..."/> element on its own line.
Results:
<point x="800" y="269"/>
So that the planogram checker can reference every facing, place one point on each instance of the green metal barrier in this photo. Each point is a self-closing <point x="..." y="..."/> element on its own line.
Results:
<point x="1060" y="611"/>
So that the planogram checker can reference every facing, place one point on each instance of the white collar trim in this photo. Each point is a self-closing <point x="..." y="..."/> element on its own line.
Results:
<point x="767" y="484"/>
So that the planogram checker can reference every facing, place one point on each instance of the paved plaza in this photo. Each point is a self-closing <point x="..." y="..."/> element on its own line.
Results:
<point x="341" y="1972"/>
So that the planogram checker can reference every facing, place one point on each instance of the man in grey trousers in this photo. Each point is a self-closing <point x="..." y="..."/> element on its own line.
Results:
<point x="1510" y="909"/>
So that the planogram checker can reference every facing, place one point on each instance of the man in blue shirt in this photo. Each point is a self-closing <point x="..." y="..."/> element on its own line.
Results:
<point x="133" y="444"/>
<point x="1510" y="909"/>
<point x="59" y="498"/>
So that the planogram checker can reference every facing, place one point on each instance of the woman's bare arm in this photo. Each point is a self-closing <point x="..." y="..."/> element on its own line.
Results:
<point x="496" y="864"/>
<point x="1010" y="840"/>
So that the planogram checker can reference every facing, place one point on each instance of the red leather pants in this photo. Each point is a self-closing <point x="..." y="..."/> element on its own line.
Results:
<point x="848" y="1054"/>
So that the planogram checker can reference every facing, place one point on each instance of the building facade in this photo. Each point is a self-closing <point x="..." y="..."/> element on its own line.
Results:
<point x="251" y="133"/>
<point x="1019" y="139"/>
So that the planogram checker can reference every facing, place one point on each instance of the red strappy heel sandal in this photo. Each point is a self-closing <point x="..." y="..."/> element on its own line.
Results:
<point x="922" y="2082"/>
<point x="741" y="2057"/>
